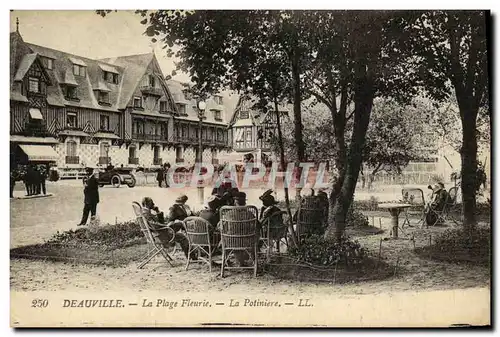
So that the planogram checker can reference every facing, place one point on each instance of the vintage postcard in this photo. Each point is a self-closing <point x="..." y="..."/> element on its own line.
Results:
<point x="250" y="168"/>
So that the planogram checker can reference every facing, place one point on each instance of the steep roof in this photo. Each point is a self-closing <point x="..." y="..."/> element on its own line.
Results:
<point x="229" y="100"/>
<point x="62" y="73"/>
<point x="255" y="116"/>
<point x="133" y="69"/>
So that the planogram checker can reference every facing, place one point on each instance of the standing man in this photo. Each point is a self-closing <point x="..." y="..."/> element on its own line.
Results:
<point x="91" y="195"/>
<point x="36" y="180"/>
<point x="43" y="178"/>
<point x="160" y="174"/>
<point x="28" y="180"/>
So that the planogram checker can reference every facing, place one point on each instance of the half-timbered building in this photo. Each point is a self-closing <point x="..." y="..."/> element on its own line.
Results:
<point x="77" y="112"/>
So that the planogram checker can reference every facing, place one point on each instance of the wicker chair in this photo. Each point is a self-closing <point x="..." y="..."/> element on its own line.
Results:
<point x="200" y="239"/>
<point x="415" y="197"/>
<point x="310" y="217"/>
<point x="274" y="231"/>
<point x="155" y="246"/>
<point x="239" y="232"/>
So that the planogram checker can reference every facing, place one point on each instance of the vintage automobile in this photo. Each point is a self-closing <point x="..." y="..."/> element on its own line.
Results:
<point x="116" y="177"/>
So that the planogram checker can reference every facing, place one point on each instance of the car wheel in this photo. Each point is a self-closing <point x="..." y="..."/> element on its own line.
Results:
<point x="115" y="181"/>
<point x="132" y="183"/>
<point x="101" y="185"/>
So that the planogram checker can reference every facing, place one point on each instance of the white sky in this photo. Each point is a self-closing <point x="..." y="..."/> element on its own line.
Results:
<point x="84" y="33"/>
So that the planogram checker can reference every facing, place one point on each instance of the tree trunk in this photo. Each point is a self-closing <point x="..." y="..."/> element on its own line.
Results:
<point x="282" y="162"/>
<point x="363" y="101"/>
<point x="297" y="114"/>
<point x="468" y="155"/>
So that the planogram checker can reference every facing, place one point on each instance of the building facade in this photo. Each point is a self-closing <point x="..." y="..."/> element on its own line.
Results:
<point x="78" y="112"/>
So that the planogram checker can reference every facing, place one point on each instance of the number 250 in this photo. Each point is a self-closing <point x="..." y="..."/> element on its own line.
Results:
<point x="39" y="303"/>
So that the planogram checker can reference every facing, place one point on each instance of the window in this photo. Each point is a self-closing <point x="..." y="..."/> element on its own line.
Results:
<point x="244" y="114"/>
<point x="137" y="102"/>
<point x="104" y="150"/>
<point x="111" y="77"/>
<point x="104" y="123"/>
<point x="163" y="106"/>
<point x="71" y="148"/>
<point x="78" y="70"/>
<point x="163" y="131"/>
<point x="152" y="81"/>
<point x="249" y="134"/>
<point x="131" y="152"/>
<point x="49" y="63"/>
<point x="218" y="100"/>
<point x="71" y="120"/>
<point x="156" y="153"/>
<point x="217" y="115"/>
<point x="181" y="108"/>
<point x="34" y="84"/>
<point x="138" y="127"/>
<point x="71" y="92"/>
<point x="103" y="97"/>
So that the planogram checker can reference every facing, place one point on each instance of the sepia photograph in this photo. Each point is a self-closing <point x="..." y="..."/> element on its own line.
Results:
<point x="250" y="168"/>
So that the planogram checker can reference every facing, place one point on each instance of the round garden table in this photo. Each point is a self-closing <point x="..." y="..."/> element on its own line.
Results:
<point x="394" y="209"/>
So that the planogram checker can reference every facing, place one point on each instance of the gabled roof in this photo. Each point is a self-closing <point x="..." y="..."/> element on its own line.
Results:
<point x="229" y="100"/>
<point x="25" y="65"/>
<point x="255" y="117"/>
<point x="62" y="73"/>
<point x="134" y="67"/>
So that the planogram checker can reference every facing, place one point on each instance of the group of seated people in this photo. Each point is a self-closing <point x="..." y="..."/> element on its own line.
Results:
<point x="224" y="194"/>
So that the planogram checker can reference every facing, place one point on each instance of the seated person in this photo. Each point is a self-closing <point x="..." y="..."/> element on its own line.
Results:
<point x="438" y="203"/>
<point x="211" y="214"/>
<point x="243" y="256"/>
<point x="156" y="222"/>
<point x="178" y="212"/>
<point x="226" y="188"/>
<point x="269" y="211"/>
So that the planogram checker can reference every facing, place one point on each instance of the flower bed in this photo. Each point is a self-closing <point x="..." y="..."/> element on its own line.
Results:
<point x="111" y="245"/>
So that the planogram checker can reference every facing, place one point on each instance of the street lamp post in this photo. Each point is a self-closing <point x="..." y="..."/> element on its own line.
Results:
<point x="199" y="157"/>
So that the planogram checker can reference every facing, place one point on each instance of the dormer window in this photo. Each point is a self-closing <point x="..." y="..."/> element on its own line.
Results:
<point x="217" y="115"/>
<point x="78" y="70"/>
<point x="71" y="92"/>
<point x="34" y="85"/>
<point x="48" y="63"/>
<point x="111" y="77"/>
<point x="163" y="106"/>
<point x="138" y="102"/>
<point x="181" y="108"/>
<point x="103" y="97"/>
<point x="244" y="114"/>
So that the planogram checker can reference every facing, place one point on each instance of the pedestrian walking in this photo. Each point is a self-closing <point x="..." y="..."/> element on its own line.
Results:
<point x="166" y="167"/>
<point x="13" y="176"/>
<point x="28" y="180"/>
<point x="36" y="180"/>
<point x="91" y="195"/>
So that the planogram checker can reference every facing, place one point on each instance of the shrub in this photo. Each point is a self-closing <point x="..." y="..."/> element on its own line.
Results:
<point x="120" y="234"/>
<point x="319" y="251"/>
<point x="453" y="240"/>
<point x="355" y="218"/>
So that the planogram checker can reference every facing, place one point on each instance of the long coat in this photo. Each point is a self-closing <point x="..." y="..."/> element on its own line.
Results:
<point x="91" y="191"/>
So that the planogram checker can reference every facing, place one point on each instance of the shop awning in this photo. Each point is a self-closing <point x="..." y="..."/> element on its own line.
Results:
<point x="39" y="152"/>
<point x="35" y="113"/>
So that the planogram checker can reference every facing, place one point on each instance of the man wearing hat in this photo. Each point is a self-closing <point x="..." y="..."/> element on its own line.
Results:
<point x="226" y="188"/>
<point x="178" y="212"/>
<point x="211" y="212"/>
<point x="268" y="205"/>
<point x="91" y="195"/>
<point x="156" y="223"/>
<point x="438" y="203"/>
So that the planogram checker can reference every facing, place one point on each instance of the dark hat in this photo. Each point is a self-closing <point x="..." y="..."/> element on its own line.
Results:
<point x="266" y="194"/>
<point x="240" y="195"/>
<point x="213" y="201"/>
<point x="269" y="200"/>
<point x="147" y="201"/>
<point x="181" y="198"/>
<point x="89" y="170"/>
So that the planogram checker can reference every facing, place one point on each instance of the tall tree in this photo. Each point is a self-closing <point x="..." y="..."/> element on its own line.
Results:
<point x="452" y="49"/>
